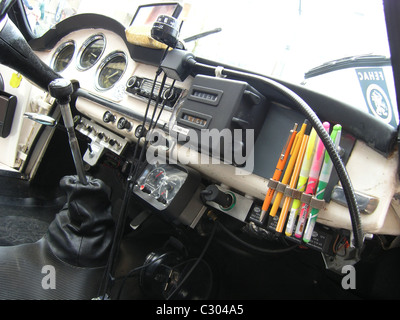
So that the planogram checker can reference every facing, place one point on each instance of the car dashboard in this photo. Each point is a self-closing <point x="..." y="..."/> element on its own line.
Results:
<point x="113" y="112"/>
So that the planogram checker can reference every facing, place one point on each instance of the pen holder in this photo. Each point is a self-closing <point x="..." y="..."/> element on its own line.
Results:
<point x="308" y="199"/>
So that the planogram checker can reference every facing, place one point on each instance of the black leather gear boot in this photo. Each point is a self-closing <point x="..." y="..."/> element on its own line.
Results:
<point x="82" y="232"/>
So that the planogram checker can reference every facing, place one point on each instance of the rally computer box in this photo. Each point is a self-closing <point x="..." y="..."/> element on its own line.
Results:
<point x="221" y="117"/>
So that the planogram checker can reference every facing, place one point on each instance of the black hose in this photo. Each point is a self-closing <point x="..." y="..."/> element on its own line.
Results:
<point x="304" y="108"/>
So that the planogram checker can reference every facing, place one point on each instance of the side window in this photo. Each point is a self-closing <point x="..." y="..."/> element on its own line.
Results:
<point x="42" y="15"/>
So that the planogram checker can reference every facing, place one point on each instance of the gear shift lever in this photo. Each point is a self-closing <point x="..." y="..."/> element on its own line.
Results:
<point x="17" y="54"/>
<point x="61" y="89"/>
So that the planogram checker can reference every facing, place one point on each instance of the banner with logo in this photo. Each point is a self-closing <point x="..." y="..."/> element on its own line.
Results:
<point x="376" y="94"/>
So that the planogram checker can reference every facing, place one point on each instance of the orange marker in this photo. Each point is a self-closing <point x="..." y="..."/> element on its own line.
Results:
<point x="293" y="181"/>
<point x="279" y="170"/>
<point x="288" y="172"/>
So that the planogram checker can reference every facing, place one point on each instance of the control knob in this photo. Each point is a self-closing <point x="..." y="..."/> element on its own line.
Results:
<point x="124" y="124"/>
<point x="108" y="117"/>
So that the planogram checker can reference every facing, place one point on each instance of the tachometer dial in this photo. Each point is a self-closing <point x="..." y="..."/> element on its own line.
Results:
<point x="91" y="51"/>
<point x="154" y="180"/>
<point x="63" y="56"/>
<point x="111" y="70"/>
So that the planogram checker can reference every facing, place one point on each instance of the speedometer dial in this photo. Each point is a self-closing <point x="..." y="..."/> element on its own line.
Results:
<point x="91" y="51"/>
<point x="111" y="70"/>
<point x="63" y="56"/>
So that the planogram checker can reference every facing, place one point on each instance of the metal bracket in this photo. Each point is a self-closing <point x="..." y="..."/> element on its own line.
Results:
<point x="93" y="153"/>
<point x="367" y="204"/>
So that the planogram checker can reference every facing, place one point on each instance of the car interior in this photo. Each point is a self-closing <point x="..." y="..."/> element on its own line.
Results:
<point x="133" y="169"/>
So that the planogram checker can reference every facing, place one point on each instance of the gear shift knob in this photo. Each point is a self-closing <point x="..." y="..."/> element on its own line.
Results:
<point x="61" y="89"/>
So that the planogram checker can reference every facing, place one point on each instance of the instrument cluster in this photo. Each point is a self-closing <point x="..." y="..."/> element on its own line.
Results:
<point x="161" y="183"/>
<point x="110" y="66"/>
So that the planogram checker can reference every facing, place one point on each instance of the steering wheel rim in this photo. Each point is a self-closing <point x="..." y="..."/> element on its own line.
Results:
<point x="5" y="5"/>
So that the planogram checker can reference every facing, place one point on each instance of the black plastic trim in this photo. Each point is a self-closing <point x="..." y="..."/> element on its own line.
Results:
<point x="74" y="23"/>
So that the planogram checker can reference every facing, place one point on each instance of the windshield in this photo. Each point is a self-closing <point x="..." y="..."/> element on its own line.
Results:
<point x="286" y="38"/>
<point x="283" y="39"/>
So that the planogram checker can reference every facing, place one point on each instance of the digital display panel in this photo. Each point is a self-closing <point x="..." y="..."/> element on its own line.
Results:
<point x="195" y="120"/>
<point x="205" y="95"/>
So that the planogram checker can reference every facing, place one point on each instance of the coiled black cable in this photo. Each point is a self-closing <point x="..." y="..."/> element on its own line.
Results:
<point x="138" y="269"/>
<point x="198" y="260"/>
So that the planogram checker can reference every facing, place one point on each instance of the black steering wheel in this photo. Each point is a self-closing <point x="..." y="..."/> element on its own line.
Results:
<point x="5" y="5"/>
<point x="16" y="53"/>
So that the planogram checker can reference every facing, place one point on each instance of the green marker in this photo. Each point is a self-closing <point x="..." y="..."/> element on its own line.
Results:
<point x="323" y="181"/>
<point x="302" y="182"/>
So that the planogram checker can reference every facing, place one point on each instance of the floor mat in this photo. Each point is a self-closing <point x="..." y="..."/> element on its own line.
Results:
<point x="25" y="220"/>
<point x="16" y="230"/>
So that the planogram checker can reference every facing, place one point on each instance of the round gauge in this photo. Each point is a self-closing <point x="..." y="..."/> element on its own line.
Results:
<point x="169" y="188"/>
<point x="63" y="56"/>
<point x="111" y="70"/>
<point x="154" y="180"/>
<point x="91" y="51"/>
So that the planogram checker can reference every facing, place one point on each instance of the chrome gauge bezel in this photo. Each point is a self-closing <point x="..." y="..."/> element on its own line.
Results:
<point x="59" y="50"/>
<point x="104" y="63"/>
<point x="88" y="42"/>
<point x="159" y="184"/>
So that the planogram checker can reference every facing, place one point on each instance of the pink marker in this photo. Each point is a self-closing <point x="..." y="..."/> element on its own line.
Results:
<point x="312" y="183"/>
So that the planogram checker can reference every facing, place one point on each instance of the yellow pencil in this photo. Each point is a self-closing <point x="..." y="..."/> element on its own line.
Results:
<point x="278" y="170"/>
<point x="289" y="168"/>
<point x="293" y="181"/>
